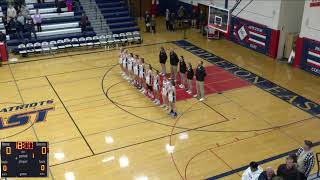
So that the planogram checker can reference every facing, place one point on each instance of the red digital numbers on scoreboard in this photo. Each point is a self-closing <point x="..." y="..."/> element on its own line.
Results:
<point x="24" y="145"/>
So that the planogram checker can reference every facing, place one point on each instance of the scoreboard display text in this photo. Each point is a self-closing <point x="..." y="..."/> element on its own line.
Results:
<point x="24" y="159"/>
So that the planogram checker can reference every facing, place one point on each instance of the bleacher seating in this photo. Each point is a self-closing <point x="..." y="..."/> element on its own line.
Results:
<point x="55" y="25"/>
<point x="117" y="16"/>
<point x="61" y="31"/>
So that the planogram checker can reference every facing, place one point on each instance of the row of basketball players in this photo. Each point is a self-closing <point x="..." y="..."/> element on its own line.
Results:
<point x="156" y="85"/>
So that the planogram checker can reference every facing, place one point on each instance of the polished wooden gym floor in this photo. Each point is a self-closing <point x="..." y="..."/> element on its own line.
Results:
<point x="103" y="128"/>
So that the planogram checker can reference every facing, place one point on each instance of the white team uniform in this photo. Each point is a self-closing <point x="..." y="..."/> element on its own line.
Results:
<point x="141" y="71"/>
<point x="156" y="86"/>
<point x="130" y="61"/>
<point x="172" y="94"/>
<point x="136" y="68"/>
<point x="125" y="61"/>
<point x="165" y="87"/>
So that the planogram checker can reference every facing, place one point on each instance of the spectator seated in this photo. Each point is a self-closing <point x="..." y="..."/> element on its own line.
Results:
<point x="54" y="25"/>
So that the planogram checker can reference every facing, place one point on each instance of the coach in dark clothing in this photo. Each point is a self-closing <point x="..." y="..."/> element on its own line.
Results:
<point x="174" y="60"/>
<point x="182" y="70"/>
<point x="190" y="75"/>
<point x="288" y="170"/>
<point x="163" y="59"/>
<point x="200" y="75"/>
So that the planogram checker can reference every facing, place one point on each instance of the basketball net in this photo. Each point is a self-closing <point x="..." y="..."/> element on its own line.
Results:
<point x="213" y="31"/>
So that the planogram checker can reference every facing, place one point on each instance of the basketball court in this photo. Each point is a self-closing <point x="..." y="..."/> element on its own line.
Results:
<point x="104" y="128"/>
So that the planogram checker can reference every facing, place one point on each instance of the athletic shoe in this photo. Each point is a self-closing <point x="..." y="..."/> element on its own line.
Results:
<point x="175" y="114"/>
<point x="155" y="101"/>
<point x="189" y="92"/>
<point x="163" y="106"/>
<point x="166" y="108"/>
<point x="158" y="102"/>
<point x="202" y="99"/>
<point x="195" y="96"/>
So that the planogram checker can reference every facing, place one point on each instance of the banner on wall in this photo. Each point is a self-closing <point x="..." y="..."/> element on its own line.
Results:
<point x="315" y="3"/>
<point x="250" y="35"/>
<point x="311" y="56"/>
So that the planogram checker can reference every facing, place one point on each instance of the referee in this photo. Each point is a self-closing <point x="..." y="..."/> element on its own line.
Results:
<point x="200" y="75"/>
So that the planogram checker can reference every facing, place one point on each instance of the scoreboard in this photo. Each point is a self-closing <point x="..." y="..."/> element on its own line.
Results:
<point x="24" y="159"/>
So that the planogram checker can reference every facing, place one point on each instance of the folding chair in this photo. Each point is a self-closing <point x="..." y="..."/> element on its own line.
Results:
<point x="123" y="38"/>
<point x="53" y="46"/>
<point x="96" y="41"/>
<point x="89" y="41"/>
<point x="75" y="42"/>
<point x="130" y="37"/>
<point x="37" y="47"/>
<point x="110" y="41"/>
<point x="45" y="47"/>
<point x="137" y="37"/>
<point x="103" y="41"/>
<point x="82" y="42"/>
<point x="60" y="44"/>
<point x="116" y="39"/>
<point x="22" y="50"/>
<point x="30" y="48"/>
<point x="67" y="43"/>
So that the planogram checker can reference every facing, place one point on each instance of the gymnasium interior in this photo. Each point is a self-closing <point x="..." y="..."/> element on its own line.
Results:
<point x="69" y="110"/>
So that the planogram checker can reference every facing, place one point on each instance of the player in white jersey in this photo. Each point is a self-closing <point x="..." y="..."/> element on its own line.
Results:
<point x="172" y="99"/>
<point x="141" y="75"/>
<point x="164" y="92"/>
<point x="136" y="70"/>
<point x="148" y="77"/>
<point x="130" y="61"/>
<point x="156" y="87"/>
<point x="125" y="64"/>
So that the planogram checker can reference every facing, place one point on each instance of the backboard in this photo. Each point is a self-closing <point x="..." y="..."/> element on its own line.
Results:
<point x="219" y="18"/>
